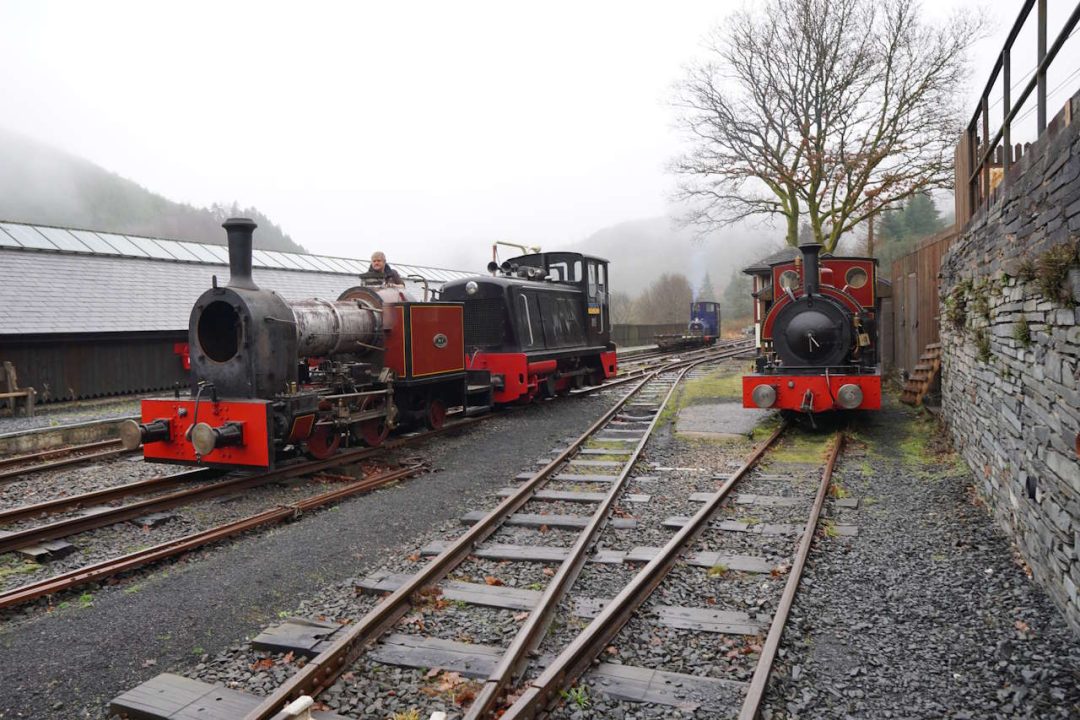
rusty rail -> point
(17, 460)
(590, 643)
(756, 691)
(141, 558)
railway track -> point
(99, 515)
(604, 457)
(19, 465)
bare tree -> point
(824, 111)
(621, 307)
(667, 300)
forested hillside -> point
(43, 185)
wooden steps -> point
(923, 375)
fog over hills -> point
(42, 185)
(642, 250)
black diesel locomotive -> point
(541, 327)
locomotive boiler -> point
(817, 330)
(270, 376)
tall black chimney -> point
(811, 276)
(240, 231)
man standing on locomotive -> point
(379, 267)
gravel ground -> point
(927, 613)
(955, 629)
(198, 611)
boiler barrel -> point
(326, 327)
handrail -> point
(980, 155)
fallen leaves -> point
(492, 580)
(264, 664)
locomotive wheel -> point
(324, 442)
(374, 431)
(435, 414)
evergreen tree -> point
(737, 304)
(920, 217)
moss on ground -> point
(801, 448)
(15, 566)
(724, 384)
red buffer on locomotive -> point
(816, 321)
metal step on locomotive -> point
(816, 321)
(271, 379)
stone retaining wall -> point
(1011, 355)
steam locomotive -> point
(272, 378)
(702, 330)
(816, 321)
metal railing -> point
(997, 151)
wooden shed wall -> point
(916, 306)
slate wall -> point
(1010, 387)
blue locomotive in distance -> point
(702, 330)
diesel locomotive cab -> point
(540, 326)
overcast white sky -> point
(428, 129)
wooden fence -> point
(916, 307)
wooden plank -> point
(603, 451)
(707, 559)
(173, 697)
(497, 596)
(613, 464)
(677, 521)
(297, 635)
(762, 500)
(617, 439)
(572, 496)
(559, 522)
(571, 477)
(731, 622)
(636, 433)
(520, 553)
(475, 661)
(720, 698)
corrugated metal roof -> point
(103, 282)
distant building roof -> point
(64, 280)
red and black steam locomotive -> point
(271, 378)
(817, 334)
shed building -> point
(88, 314)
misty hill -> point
(40, 184)
(642, 250)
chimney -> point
(811, 277)
(240, 231)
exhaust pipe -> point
(240, 231)
(811, 273)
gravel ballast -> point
(71, 662)
(926, 613)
